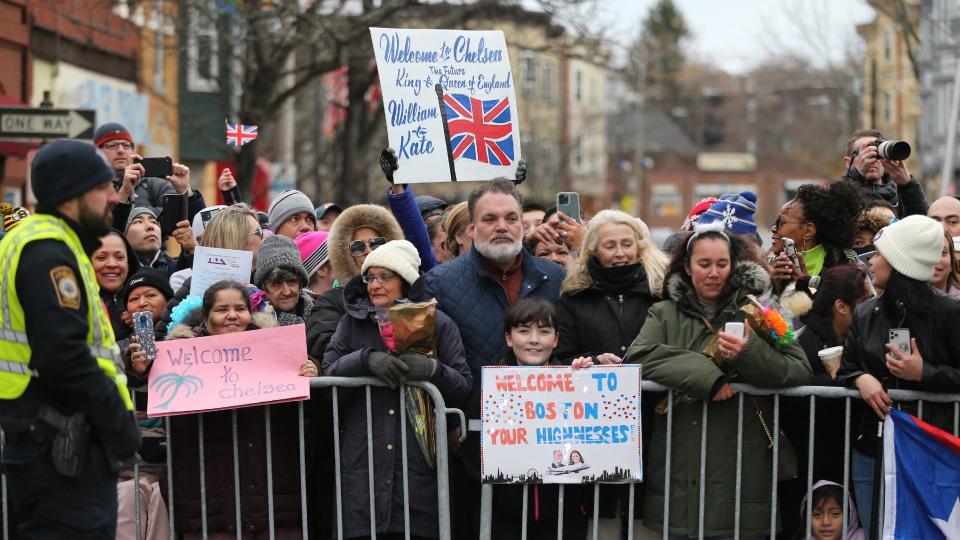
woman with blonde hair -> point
(609, 289)
(455, 221)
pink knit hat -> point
(313, 250)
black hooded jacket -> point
(906, 200)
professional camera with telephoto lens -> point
(892, 150)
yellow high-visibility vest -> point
(15, 372)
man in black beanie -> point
(134, 187)
(65, 409)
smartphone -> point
(143, 329)
(734, 328)
(568, 202)
(209, 214)
(790, 250)
(174, 211)
(156, 167)
(900, 338)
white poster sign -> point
(449, 103)
(557, 425)
(211, 265)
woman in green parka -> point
(709, 278)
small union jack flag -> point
(481, 130)
(239, 134)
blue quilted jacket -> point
(476, 301)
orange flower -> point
(775, 322)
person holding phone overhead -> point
(135, 187)
(909, 312)
(143, 233)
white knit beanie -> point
(399, 256)
(912, 246)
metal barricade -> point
(813, 393)
(334, 384)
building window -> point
(203, 67)
(888, 37)
(751, 110)
(578, 86)
(528, 74)
(547, 81)
(576, 153)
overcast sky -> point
(737, 34)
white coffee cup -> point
(830, 358)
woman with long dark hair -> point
(903, 266)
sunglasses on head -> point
(359, 247)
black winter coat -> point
(864, 352)
(322, 322)
(601, 319)
(357, 335)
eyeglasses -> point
(257, 233)
(359, 247)
(780, 222)
(382, 278)
(118, 144)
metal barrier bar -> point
(136, 481)
(236, 472)
(920, 409)
(486, 511)
(560, 513)
(336, 455)
(403, 451)
(702, 483)
(203, 477)
(5, 507)
(630, 512)
(666, 479)
(775, 435)
(846, 464)
(373, 504)
(303, 472)
(267, 429)
(810, 437)
(523, 523)
(170, 506)
(738, 488)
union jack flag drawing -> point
(239, 134)
(481, 130)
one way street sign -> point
(31, 124)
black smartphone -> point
(156, 167)
(174, 211)
(207, 214)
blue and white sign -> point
(443, 86)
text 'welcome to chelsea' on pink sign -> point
(228, 371)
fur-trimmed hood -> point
(373, 216)
(747, 277)
(193, 327)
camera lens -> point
(893, 150)
(564, 199)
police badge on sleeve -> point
(66, 286)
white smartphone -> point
(900, 338)
(734, 328)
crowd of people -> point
(521, 284)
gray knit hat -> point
(278, 252)
(139, 211)
(286, 204)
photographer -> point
(879, 178)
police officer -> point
(65, 409)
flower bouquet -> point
(414, 327)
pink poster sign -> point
(228, 371)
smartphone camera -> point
(563, 198)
